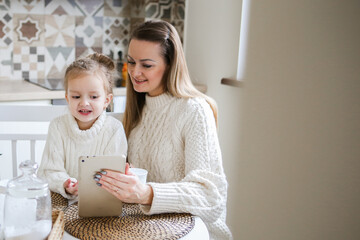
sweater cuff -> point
(166, 199)
(60, 189)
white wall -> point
(212, 38)
(293, 168)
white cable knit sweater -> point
(65, 143)
(177, 142)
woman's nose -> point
(136, 72)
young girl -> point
(86, 130)
(171, 129)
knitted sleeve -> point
(203, 190)
(52, 167)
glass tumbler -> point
(27, 209)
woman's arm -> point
(203, 190)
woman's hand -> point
(126, 187)
(71, 186)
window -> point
(244, 27)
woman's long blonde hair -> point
(176, 79)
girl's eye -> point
(76, 97)
(131, 62)
(147, 66)
(94, 97)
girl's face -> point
(87, 98)
(146, 66)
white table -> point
(198, 232)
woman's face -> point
(146, 66)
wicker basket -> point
(58, 223)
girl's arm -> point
(52, 166)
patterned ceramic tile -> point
(28, 30)
(117, 8)
(89, 31)
(84, 51)
(6, 63)
(179, 25)
(178, 12)
(28, 6)
(57, 59)
(90, 7)
(116, 35)
(5, 5)
(59, 31)
(29, 62)
(6, 29)
(38, 38)
(137, 8)
(61, 7)
(135, 22)
(158, 9)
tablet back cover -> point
(93, 200)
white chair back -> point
(26, 113)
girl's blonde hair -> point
(94, 63)
(176, 79)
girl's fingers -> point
(67, 183)
(127, 167)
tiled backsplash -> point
(40, 38)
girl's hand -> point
(71, 186)
(126, 187)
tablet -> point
(95, 201)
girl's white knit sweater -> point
(65, 143)
(177, 142)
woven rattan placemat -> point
(58, 202)
(133, 224)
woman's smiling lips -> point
(139, 81)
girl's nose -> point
(84, 102)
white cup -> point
(141, 173)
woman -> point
(171, 130)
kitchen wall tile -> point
(138, 8)
(90, 7)
(158, 9)
(28, 6)
(178, 12)
(29, 62)
(28, 30)
(59, 31)
(6, 63)
(88, 31)
(84, 51)
(5, 5)
(135, 22)
(116, 35)
(117, 8)
(39, 38)
(57, 59)
(6, 29)
(179, 26)
(61, 7)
